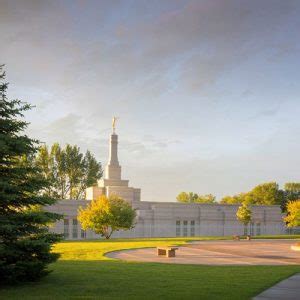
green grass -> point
(83, 272)
(278, 237)
(95, 249)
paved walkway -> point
(288, 289)
(255, 252)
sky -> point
(207, 92)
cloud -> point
(200, 86)
(205, 38)
(223, 175)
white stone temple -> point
(112, 182)
(164, 219)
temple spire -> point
(113, 169)
(113, 150)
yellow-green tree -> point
(244, 214)
(236, 199)
(209, 199)
(191, 197)
(267, 193)
(107, 215)
(293, 214)
(185, 197)
(291, 193)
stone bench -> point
(167, 251)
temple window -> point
(185, 228)
(75, 229)
(66, 228)
(192, 228)
(177, 228)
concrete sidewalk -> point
(288, 289)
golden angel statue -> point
(114, 120)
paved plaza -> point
(255, 252)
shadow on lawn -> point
(115, 279)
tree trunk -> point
(110, 234)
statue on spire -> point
(114, 120)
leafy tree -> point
(236, 199)
(44, 161)
(60, 181)
(244, 214)
(107, 215)
(291, 193)
(293, 188)
(25, 241)
(195, 198)
(293, 214)
(74, 168)
(209, 198)
(69, 171)
(186, 197)
(92, 171)
(265, 194)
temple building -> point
(164, 219)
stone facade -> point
(164, 219)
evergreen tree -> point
(25, 242)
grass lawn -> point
(84, 273)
